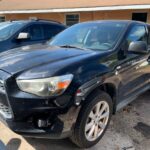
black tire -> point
(78, 136)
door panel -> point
(133, 76)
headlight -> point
(46, 87)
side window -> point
(51, 30)
(137, 33)
(35, 31)
(26, 30)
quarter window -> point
(72, 19)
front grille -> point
(5, 111)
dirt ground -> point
(129, 130)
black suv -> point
(15, 34)
(71, 86)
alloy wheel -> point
(97, 121)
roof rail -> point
(36, 19)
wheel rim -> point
(97, 121)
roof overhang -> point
(107, 8)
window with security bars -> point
(72, 19)
(2, 18)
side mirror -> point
(23, 36)
(138, 47)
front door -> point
(36, 35)
(133, 70)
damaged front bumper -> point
(58, 129)
(33, 116)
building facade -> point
(70, 12)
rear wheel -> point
(93, 120)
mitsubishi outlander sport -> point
(71, 86)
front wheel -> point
(93, 120)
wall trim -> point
(128, 7)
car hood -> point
(27, 57)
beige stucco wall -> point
(84, 16)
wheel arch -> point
(108, 88)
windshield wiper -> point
(70, 46)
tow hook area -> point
(54, 126)
(43, 123)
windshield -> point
(95, 36)
(7, 29)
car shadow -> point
(13, 144)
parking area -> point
(129, 130)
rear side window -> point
(51, 30)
